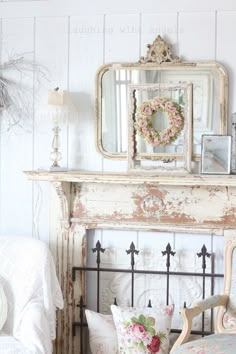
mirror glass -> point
(216, 154)
(209, 96)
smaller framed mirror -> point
(160, 127)
(216, 154)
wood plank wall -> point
(72, 39)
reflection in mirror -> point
(208, 93)
(216, 154)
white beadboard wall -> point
(72, 39)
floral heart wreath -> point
(145, 116)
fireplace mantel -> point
(124, 178)
(92, 200)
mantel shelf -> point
(126, 178)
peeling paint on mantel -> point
(188, 206)
(86, 200)
(125, 178)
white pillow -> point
(143, 330)
(3, 307)
(102, 333)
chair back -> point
(226, 317)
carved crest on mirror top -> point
(159, 52)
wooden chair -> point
(224, 339)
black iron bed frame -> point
(168, 252)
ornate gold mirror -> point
(210, 96)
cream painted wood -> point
(17, 153)
(97, 201)
(225, 53)
(86, 38)
(192, 29)
(189, 314)
(216, 301)
(60, 7)
(124, 30)
(18, 12)
(135, 158)
(67, 241)
(49, 33)
(16, 146)
(229, 248)
(134, 179)
(165, 24)
(163, 66)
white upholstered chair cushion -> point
(214, 344)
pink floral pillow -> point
(143, 330)
(102, 333)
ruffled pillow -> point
(102, 333)
(143, 330)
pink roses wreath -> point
(145, 116)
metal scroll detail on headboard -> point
(134, 270)
(159, 52)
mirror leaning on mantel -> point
(210, 96)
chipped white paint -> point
(137, 179)
(99, 202)
(93, 200)
(34, 27)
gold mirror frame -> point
(159, 58)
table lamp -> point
(56, 99)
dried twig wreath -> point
(15, 94)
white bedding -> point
(28, 276)
(9, 345)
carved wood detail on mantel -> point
(87, 200)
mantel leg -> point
(67, 243)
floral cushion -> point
(143, 330)
(214, 344)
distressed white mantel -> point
(87, 200)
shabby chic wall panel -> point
(124, 33)
(66, 45)
(197, 30)
(85, 56)
(51, 51)
(72, 39)
(225, 51)
(16, 153)
(62, 7)
(165, 24)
